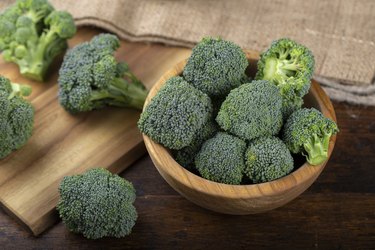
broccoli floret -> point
(252, 110)
(289, 66)
(16, 116)
(185, 156)
(267, 159)
(91, 78)
(97, 204)
(308, 131)
(216, 66)
(175, 114)
(221, 159)
(32, 34)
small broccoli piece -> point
(32, 34)
(267, 159)
(216, 66)
(97, 204)
(221, 159)
(175, 114)
(252, 110)
(91, 78)
(16, 116)
(185, 156)
(308, 131)
(289, 66)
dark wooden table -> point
(336, 212)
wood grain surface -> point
(63, 144)
(336, 212)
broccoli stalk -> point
(121, 93)
(317, 148)
(19, 90)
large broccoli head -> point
(32, 34)
(221, 159)
(97, 204)
(309, 132)
(91, 78)
(16, 116)
(252, 110)
(216, 66)
(289, 66)
(175, 114)
(267, 159)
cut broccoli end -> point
(20, 90)
(279, 71)
(317, 149)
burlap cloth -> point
(341, 33)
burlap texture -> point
(341, 33)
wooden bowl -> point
(238, 199)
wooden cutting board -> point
(63, 144)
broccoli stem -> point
(277, 70)
(123, 93)
(39, 62)
(317, 149)
(20, 90)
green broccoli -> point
(32, 34)
(267, 159)
(289, 66)
(97, 204)
(221, 159)
(16, 116)
(185, 156)
(216, 66)
(252, 110)
(308, 131)
(175, 114)
(91, 78)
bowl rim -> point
(278, 186)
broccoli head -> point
(176, 114)
(185, 156)
(91, 78)
(267, 159)
(97, 204)
(216, 66)
(16, 116)
(308, 131)
(221, 159)
(252, 110)
(289, 66)
(32, 34)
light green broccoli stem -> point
(39, 61)
(317, 149)
(122, 93)
(20, 90)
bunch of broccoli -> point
(32, 34)
(97, 204)
(224, 127)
